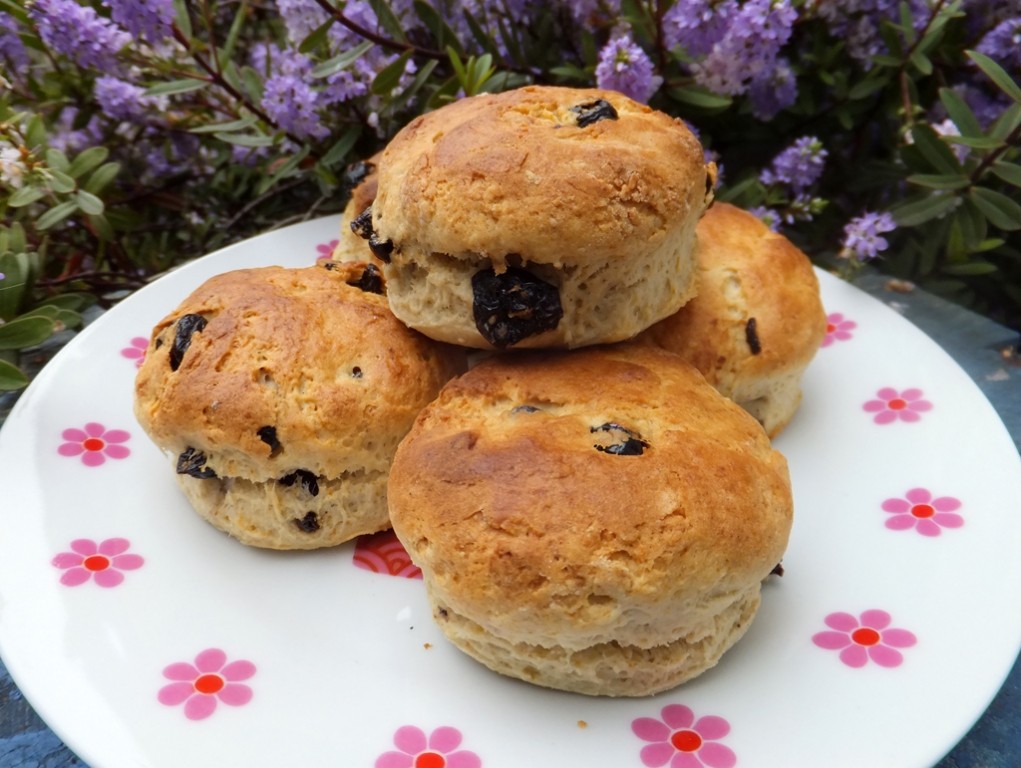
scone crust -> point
(304, 352)
(757, 321)
(513, 173)
(523, 527)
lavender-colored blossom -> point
(798, 166)
(592, 14)
(301, 18)
(768, 216)
(79, 33)
(773, 94)
(749, 49)
(121, 100)
(697, 25)
(863, 236)
(625, 67)
(857, 23)
(151, 20)
(70, 140)
(12, 50)
(291, 103)
(1003, 43)
(949, 128)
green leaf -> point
(876, 81)
(69, 301)
(185, 85)
(342, 60)
(316, 37)
(343, 145)
(24, 332)
(89, 203)
(234, 125)
(25, 196)
(1006, 123)
(913, 212)
(399, 101)
(1001, 211)
(182, 17)
(970, 268)
(570, 72)
(388, 21)
(436, 24)
(57, 160)
(921, 62)
(934, 150)
(102, 176)
(940, 181)
(1009, 172)
(11, 378)
(87, 160)
(285, 169)
(700, 97)
(997, 74)
(61, 183)
(245, 139)
(56, 214)
(960, 113)
(976, 142)
(390, 76)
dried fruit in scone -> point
(538, 217)
(281, 395)
(757, 320)
(596, 520)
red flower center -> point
(830, 327)
(923, 510)
(430, 760)
(96, 563)
(897, 404)
(865, 636)
(208, 683)
(93, 444)
(686, 741)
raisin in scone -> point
(281, 395)
(351, 246)
(539, 217)
(597, 521)
(758, 319)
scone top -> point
(558, 176)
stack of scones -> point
(550, 366)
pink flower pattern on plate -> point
(891, 405)
(919, 510)
(838, 328)
(94, 443)
(383, 553)
(209, 680)
(136, 350)
(324, 251)
(438, 750)
(102, 562)
(678, 740)
(867, 637)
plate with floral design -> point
(144, 637)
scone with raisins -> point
(351, 246)
(757, 321)
(539, 217)
(281, 395)
(597, 521)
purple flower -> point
(625, 67)
(301, 18)
(862, 236)
(291, 103)
(697, 25)
(771, 94)
(149, 19)
(768, 216)
(799, 166)
(749, 49)
(121, 100)
(79, 33)
(1003, 43)
(12, 50)
(857, 23)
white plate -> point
(336, 665)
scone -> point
(281, 395)
(539, 217)
(597, 521)
(351, 246)
(758, 319)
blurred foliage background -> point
(138, 134)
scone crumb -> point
(582, 724)
(427, 646)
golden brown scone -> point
(758, 319)
(350, 245)
(282, 394)
(598, 521)
(539, 217)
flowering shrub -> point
(135, 134)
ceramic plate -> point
(144, 637)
